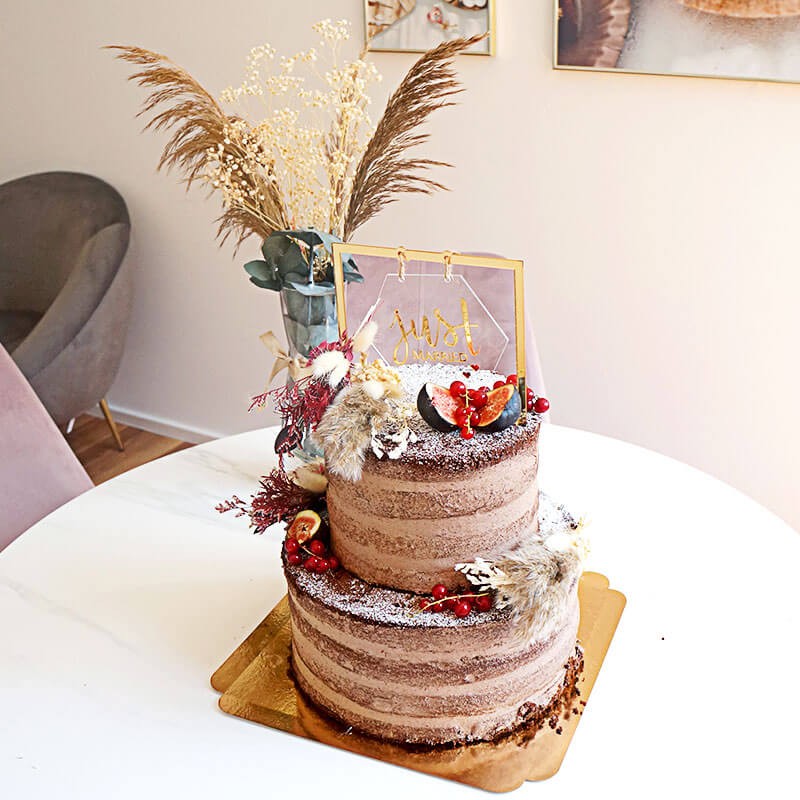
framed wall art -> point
(414, 26)
(750, 39)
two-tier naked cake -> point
(439, 602)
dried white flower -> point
(569, 541)
(391, 433)
(311, 476)
(332, 365)
(364, 337)
(316, 126)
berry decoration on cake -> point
(458, 407)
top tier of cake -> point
(406, 523)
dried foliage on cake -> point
(534, 580)
(352, 405)
(369, 413)
(303, 401)
(281, 497)
(312, 157)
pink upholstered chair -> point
(38, 471)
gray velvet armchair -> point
(65, 291)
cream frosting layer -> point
(419, 677)
(408, 533)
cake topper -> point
(437, 307)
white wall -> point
(657, 217)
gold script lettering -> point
(409, 333)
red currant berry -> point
(512, 379)
(424, 603)
(295, 559)
(541, 405)
(461, 416)
(317, 547)
(333, 562)
(529, 405)
(474, 418)
(479, 398)
(323, 565)
(529, 394)
(450, 603)
(498, 384)
(467, 433)
(311, 563)
(483, 602)
(439, 591)
(463, 608)
(291, 545)
(457, 389)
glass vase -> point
(309, 320)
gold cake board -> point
(256, 685)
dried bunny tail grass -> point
(537, 586)
(199, 125)
(345, 431)
(383, 172)
(533, 580)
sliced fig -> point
(304, 526)
(438, 407)
(502, 409)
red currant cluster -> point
(538, 405)
(468, 416)
(313, 555)
(462, 605)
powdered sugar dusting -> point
(554, 517)
(344, 592)
(415, 376)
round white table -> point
(116, 609)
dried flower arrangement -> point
(350, 405)
(534, 580)
(281, 497)
(314, 161)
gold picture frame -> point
(606, 25)
(448, 260)
(459, 6)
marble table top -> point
(116, 609)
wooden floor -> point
(92, 442)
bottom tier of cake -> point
(367, 656)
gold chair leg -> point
(111, 424)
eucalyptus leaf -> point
(260, 269)
(262, 275)
(275, 246)
(284, 255)
(294, 263)
(313, 289)
(275, 286)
